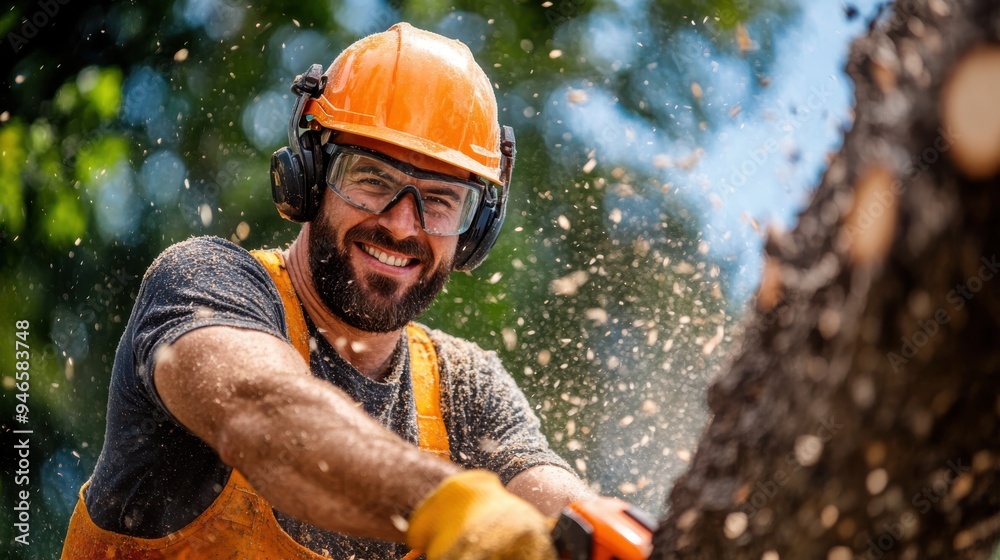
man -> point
(272, 407)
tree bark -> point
(861, 416)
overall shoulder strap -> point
(427, 393)
(298, 332)
(423, 357)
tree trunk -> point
(861, 417)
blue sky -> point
(766, 149)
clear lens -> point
(373, 182)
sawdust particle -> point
(971, 115)
(871, 224)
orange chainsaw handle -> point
(603, 529)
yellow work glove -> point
(471, 516)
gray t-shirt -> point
(153, 477)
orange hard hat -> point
(417, 90)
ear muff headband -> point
(296, 169)
(475, 245)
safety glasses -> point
(375, 182)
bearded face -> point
(361, 297)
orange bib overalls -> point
(240, 523)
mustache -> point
(377, 235)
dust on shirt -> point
(153, 477)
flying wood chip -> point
(743, 40)
(884, 76)
(696, 90)
(771, 286)
(570, 284)
(971, 114)
(871, 223)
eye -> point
(374, 181)
(370, 181)
(444, 198)
(438, 203)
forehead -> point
(415, 159)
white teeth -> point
(382, 256)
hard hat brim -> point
(415, 144)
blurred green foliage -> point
(126, 127)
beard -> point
(372, 303)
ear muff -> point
(475, 244)
(297, 169)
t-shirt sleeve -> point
(491, 423)
(197, 283)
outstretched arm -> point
(303, 444)
(549, 488)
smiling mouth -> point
(386, 258)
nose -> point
(403, 217)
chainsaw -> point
(603, 529)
